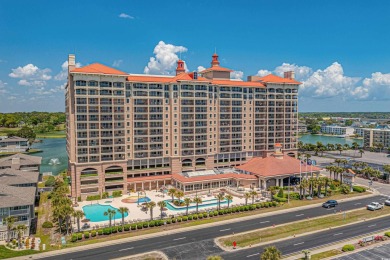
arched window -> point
(186, 163)
(200, 162)
(81, 83)
(89, 172)
(114, 170)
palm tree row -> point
(313, 185)
(320, 147)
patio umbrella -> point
(85, 220)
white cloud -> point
(11, 98)
(237, 74)
(125, 16)
(329, 82)
(301, 72)
(31, 75)
(262, 73)
(201, 68)
(165, 59)
(3, 89)
(63, 75)
(117, 63)
(375, 88)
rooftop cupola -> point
(215, 61)
(180, 67)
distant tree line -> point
(39, 122)
(370, 115)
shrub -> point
(387, 234)
(178, 219)
(253, 207)
(294, 195)
(205, 215)
(211, 214)
(345, 189)
(133, 227)
(74, 238)
(114, 229)
(145, 225)
(347, 248)
(258, 206)
(215, 212)
(120, 229)
(246, 208)
(117, 193)
(93, 197)
(86, 234)
(50, 181)
(168, 221)
(173, 220)
(47, 224)
(126, 227)
(139, 226)
(93, 233)
(79, 199)
(152, 223)
(190, 217)
(185, 218)
(274, 203)
(200, 216)
(280, 193)
(195, 216)
(279, 199)
(100, 232)
(359, 189)
(105, 195)
(79, 236)
(107, 231)
(220, 212)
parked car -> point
(330, 203)
(387, 202)
(374, 206)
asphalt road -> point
(376, 253)
(198, 244)
(315, 240)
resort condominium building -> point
(123, 128)
(375, 137)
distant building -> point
(376, 136)
(302, 128)
(337, 130)
(18, 192)
(14, 144)
(359, 131)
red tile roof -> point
(271, 166)
(276, 79)
(97, 68)
(147, 78)
(150, 178)
(215, 177)
(216, 68)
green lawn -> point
(325, 254)
(54, 134)
(7, 253)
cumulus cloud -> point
(164, 61)
(329, 82)
(31, 75)
(301, 72)
(63, 75)
(377, 87)
(237, 75)
(117, 63)
(125, 16)
(262, 73)
(201, 68)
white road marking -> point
(124, 249)
(180, 238)
(338, 234)
(225, 229)
(299, 244)
(372, 225)
(357, 203)
(253, 255)
(299, 215)
(264, 222)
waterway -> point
(54, 149)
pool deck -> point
(137, 214)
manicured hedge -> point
(93, 233)
(100, 232)
(74, 238)
(79, 236)
(387, 234)
(347, 248)
(359, 189)
(47, 224)
(86, 234)
(117, 193)
(93, 197)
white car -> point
(387, 202)
(374, 206)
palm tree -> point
(361, 151)
(179, 194)
(162, 204)
(305, 185)
(386, 168)
(172, 193)
(219, 198)
(247, 195)
(339, 170)
(78, 214)
(339, 148)
(123, 211)
(187, 202)
(150, 205)
(271, 253)
(326, 181)
(110, 213)
(253, 194)
(198, 201)
(229, 198)
(20, 229)
(9, 221)
(338, 161)
(321, 182)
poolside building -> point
(130, 131)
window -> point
(92, 83)
(81, 83)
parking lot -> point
(376, 253)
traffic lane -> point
(376, 253)
(319, 239)
(167, 240)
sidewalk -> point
(179, 230)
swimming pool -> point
(206, 203)
(95, 212)
(144, 199)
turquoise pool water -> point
(206, 203)
(95, 212)
(144, 199)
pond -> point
(54, 156)
(313, 139)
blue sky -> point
(339, 49)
